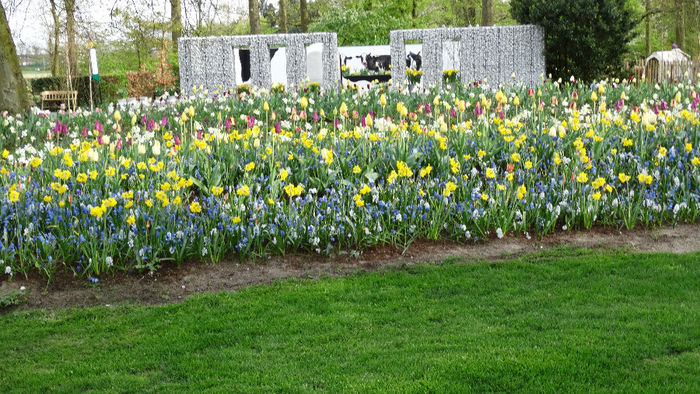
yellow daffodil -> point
(243, 190)
(449, 188)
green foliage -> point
(663, 16)
(11, 298)
(119, 59)
(360, 27)
(584, 38)
(560, 321)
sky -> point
(29, 19)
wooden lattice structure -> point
(671, 66)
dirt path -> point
(172, 284)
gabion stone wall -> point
(494, 52)
(209, 61)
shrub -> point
(584, 38)
(141, 83)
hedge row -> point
(110, 88)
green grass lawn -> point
(566, 320)
(33, 73)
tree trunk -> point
(13, 93)
(70, 32)
(56, 37)
(486, 12)
(647, 33)
(175, 21)
(254, 16)
(283, 16)
(680, 25)
(200, 16)
(470, 18)
(303, 10)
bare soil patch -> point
(173, 284)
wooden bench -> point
(70, 96)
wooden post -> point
(69, 85)
(91, 105)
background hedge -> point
(113, 87)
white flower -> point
(499, 233)
(156, 148)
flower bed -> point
(264, 173)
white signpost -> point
(94, 73)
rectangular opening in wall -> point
(414, 61)
(278, 64)
(451, 65)
(241, 55)
(314, 63)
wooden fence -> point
(669, 71)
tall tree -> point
(13, 94)
(283, 16)
(647, 26)
(175, 21)
(254, 16)
(70, 33)
(55, 39)
(304, 11)
(680, 24)
(486, 12)
(588, 50)
(464, 12)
